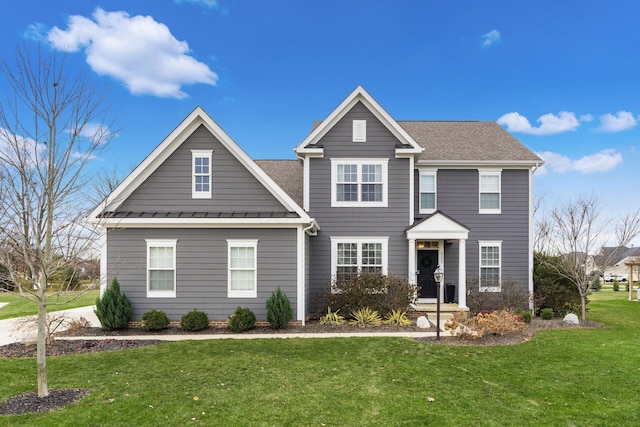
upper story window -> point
(201, 174)
(161, 268)
(428, 185)
(359, 183)
(359, 131)
(490, 265)
(490, 189)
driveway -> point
(9, 333)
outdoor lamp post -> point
(438, 275)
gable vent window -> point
(359, 131)
(201, 174)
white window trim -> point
(359, 241)
(428, 172)
(161, 243)
(208, 154)
(490, 172)
(359, 162)
(242, 243)
(484, 244)
(359, 131)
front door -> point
(427, 264)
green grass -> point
(19, 306)
(560, 378)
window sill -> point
(236, 294)
(161, 294)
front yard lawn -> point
(574, 377)
(19, 306)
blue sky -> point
(562, 76)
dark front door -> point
(427, 263)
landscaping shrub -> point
(194, 321)
(279, 311)
(242, 320)
(332, 318)
(546, 313)
(494, 323)
(511, 297)
(526, 315)
(616, 286)
(375, 291)
(154, 320)
(552, 290)
(365, 317)
(113, 309)
(397, 318)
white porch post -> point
(412, 261)
(103, 261)
(462, 273)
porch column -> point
(462, 273)
(412, 262)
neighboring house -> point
(198, 224)
(612, 262)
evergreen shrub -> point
(113, 308)
(279, 311)
(546, 313)
(242, 320)
(154, 320)
(194, 321)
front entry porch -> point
(427, 239)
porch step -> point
(444, 308)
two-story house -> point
(199, 224)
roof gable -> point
(308, 145)
(198, 117)
(437, 226)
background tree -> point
(52, 124)
(573, 232)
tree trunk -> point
(41, 350)
(583, 302)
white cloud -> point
(549, 123)
(622, 120)
(209, 4)
(15, 149)
(137, 51)
(602, 161)
(586, 118)
(491, 38)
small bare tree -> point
(52, 125)
(575, 231)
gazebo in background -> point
(633, 262)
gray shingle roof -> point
(467, 141)
(288, 174)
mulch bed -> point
(57, 399)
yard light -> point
(438, 275)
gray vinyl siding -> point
(457, 197)
(390, 221)
(201, 269)
(234, 188)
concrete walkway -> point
(9, 334)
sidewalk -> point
(9, 335)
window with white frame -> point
(351, 256)
(490, 184)
(359, 183)
(161, 268)
(490, 265)
(201, 174)
(359, 131)
(428, 191)
(242, 268)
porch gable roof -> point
(438, 226)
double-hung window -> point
(359, 183)
(161, 268)
(242, 268)
(490, 265)
(201, 174)
(351, 256)
(428, 191)
(490, 185)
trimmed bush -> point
(526, 315)
(279, 311)
(154, 320)
(242, 320)
(546, 313)
(552, 290)
(194, 321)
(616, 286)
(113, 308)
